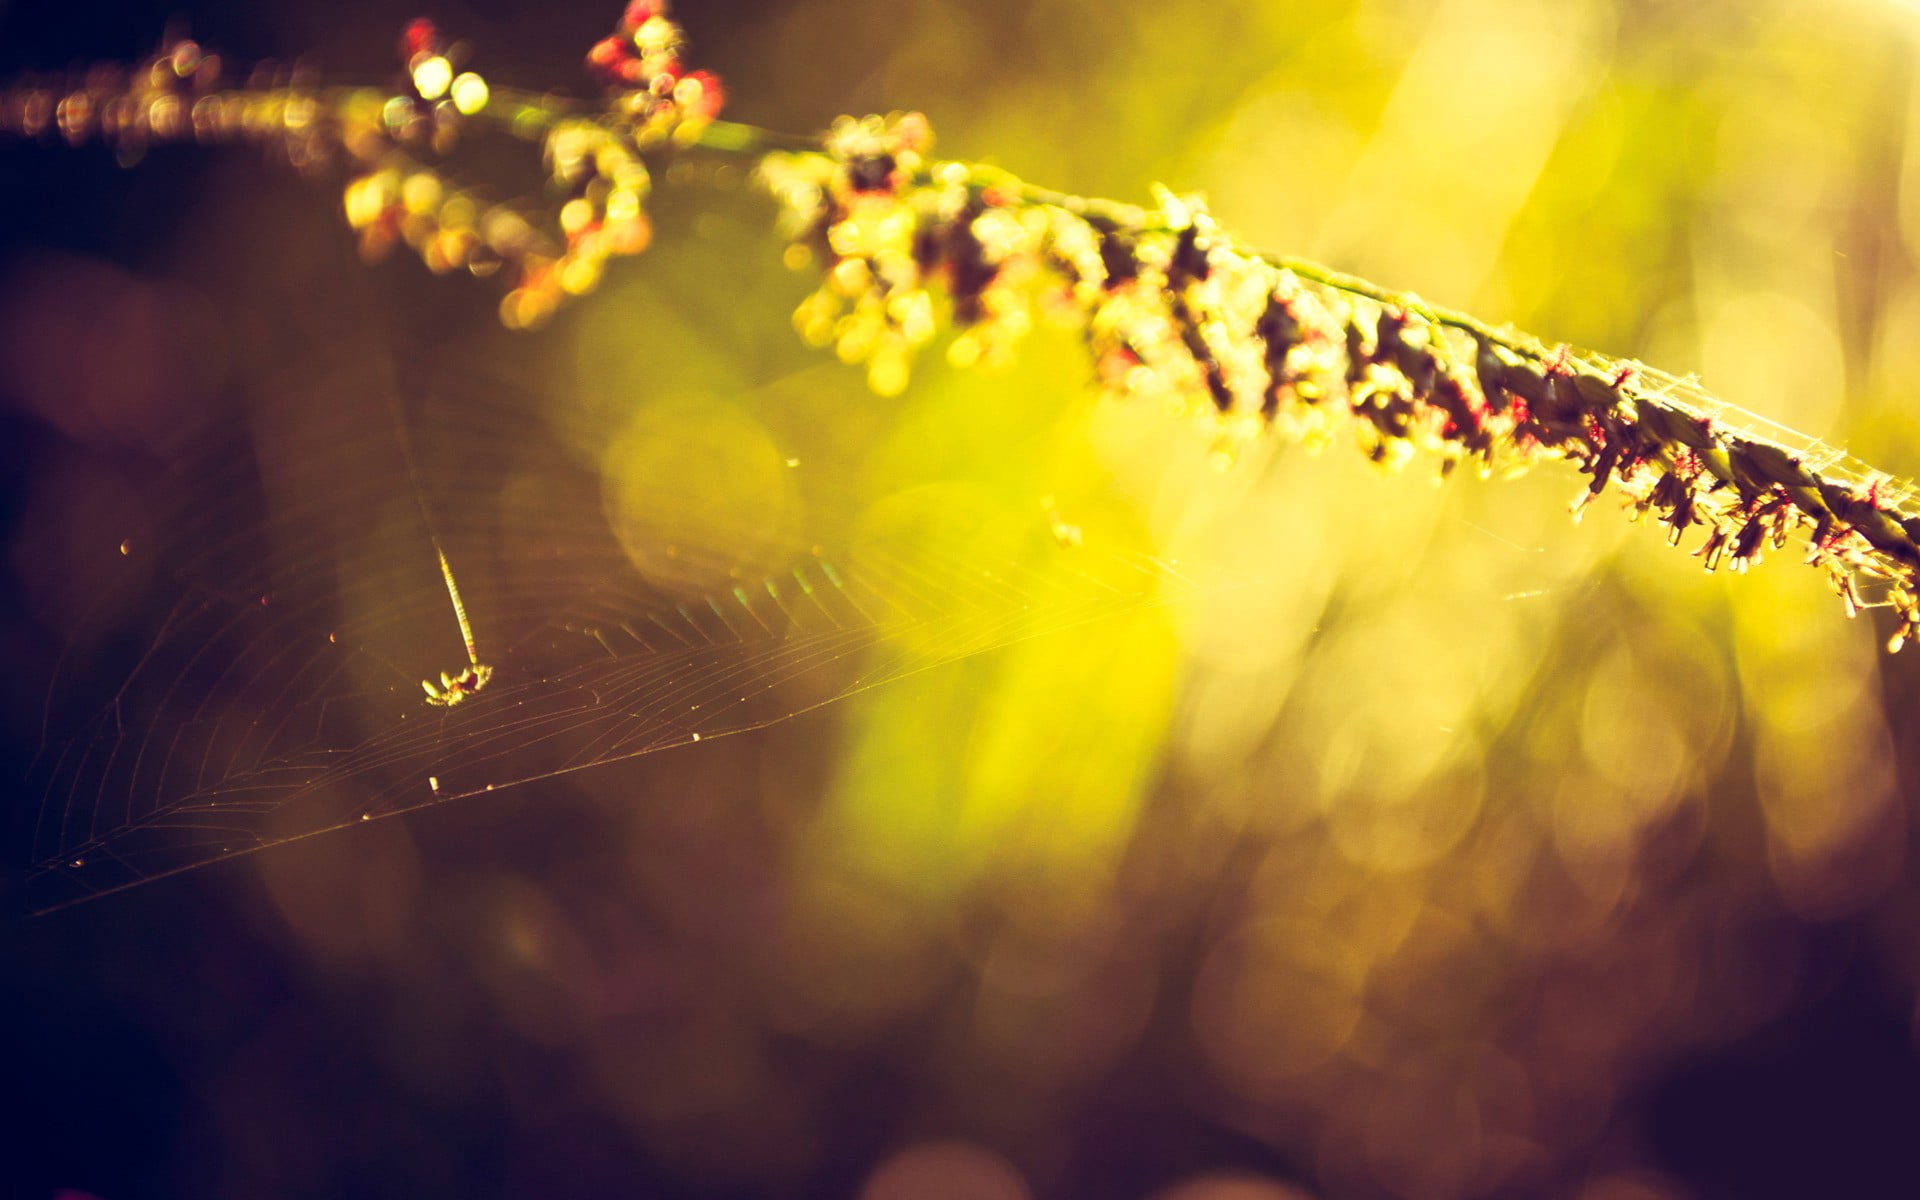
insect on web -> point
(277, 694)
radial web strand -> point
(277, 694)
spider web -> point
(277, 695)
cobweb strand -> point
(278, 696)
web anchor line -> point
(453, 689)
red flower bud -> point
(701, 94)
(639, 12)
(421, 37)
(608, 52)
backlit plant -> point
(1173, 309)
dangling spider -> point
(455, 688)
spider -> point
(455, 688)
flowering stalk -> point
(1172, 308)
(390, 141)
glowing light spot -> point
(396, 111)
(655, 34)
(622, 205)
(432, 76)
(126, 548)
(365, 199)
(299, 113)
(186, 58)
(628, 236)
(513, 310)
(470, 93)
(887, 372)
(963, 351)
(696, 737)
(575, 215)
(422, 192)
(581, 276)
(433, 781)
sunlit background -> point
(1404, 840)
